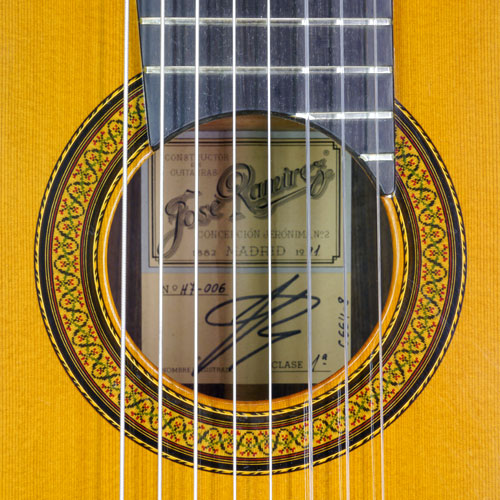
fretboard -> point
(350, 68)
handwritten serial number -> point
(187, 289)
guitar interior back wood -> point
(58, 61)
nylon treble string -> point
(123, 285)
(310, 425)
(344, 249)
(269, 253)
(379, 262)
(196, 241)
(234, 360)
(160, 253)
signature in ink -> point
(254, 320)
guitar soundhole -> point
(342, 272)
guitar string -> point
(342, 177)
(123, 284)
(379, 265)
(379, 290)
(269, 258)
(344, 250)
(370, 367)
(234, 361)
(196, 242)
(160, 253)
(310, 449)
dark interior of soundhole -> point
(364, 313)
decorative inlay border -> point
(71, 303)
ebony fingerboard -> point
(367, 104)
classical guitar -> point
(261, 264)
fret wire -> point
(262, 21)
(377, 157)
(346, 115)
(382, 70)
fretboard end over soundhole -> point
(349, 70)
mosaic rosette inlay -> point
(70, 294)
